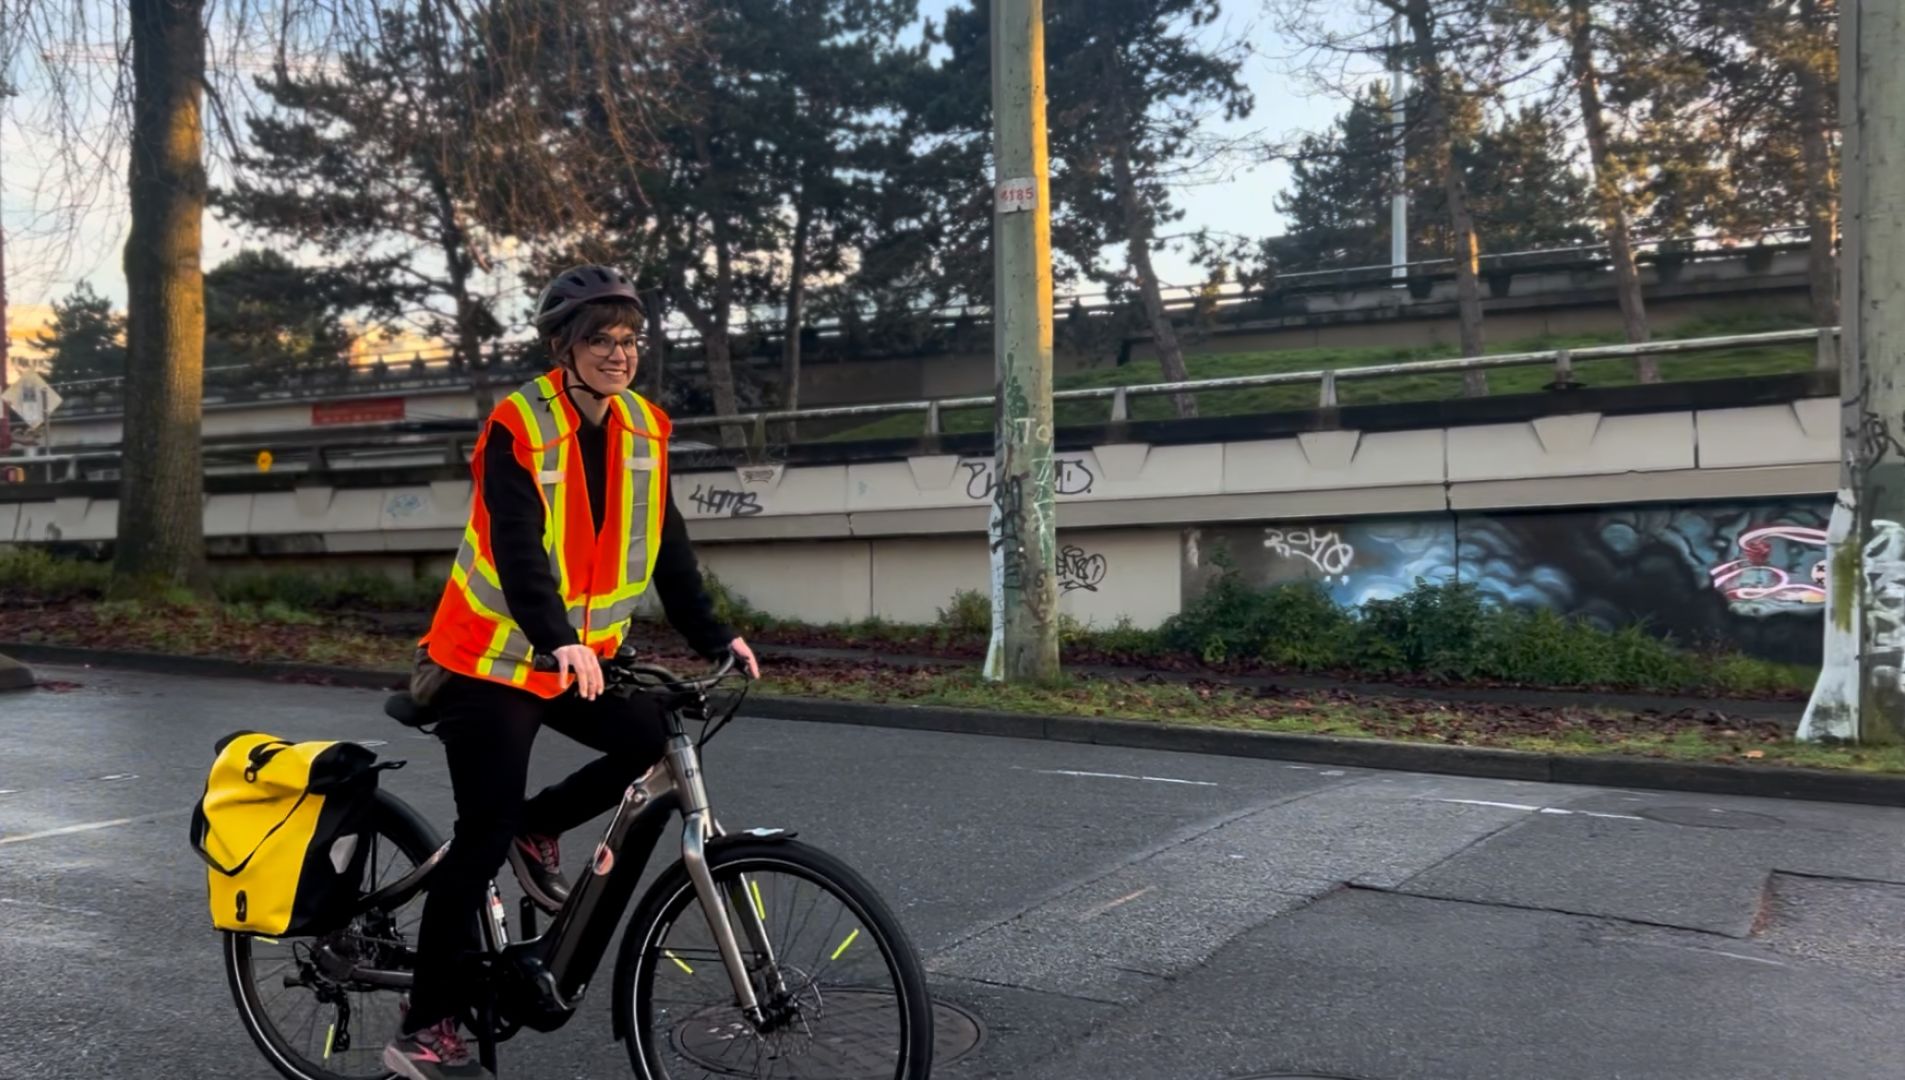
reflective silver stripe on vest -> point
(477, 584)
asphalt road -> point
(1105, 913)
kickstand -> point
(486, 1029)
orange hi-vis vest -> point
(601, 575)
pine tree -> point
(86, 339)
(265, 313)
(370, 165)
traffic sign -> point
(32, 400)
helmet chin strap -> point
(582, 383)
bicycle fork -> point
(698, 829)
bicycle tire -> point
(393, 822)
(673, 893)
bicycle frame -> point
(558, 965)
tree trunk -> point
(161, 542)
(1137, 230)
(796, 301)
(1435, 113)
(713, 325)
(1607, 189)
(1138, 253)
(1821, 191)
(715, 357)
(657, 359)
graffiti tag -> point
(1070, 476)
(718, 501)
(1885, 599)
(1009, 502)
(1078, 570)
(1752, 577)
(1321, 548)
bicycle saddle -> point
(404, 709)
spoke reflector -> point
(679, 962)
(760, 909)
(844, 945)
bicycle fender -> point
(770, 836)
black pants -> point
(487, 730)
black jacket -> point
(522, 567)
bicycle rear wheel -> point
(310, 1025)
(843, 987)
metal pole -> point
(1398, 123)
(1024, 643)
(1861, 688)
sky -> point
(50, 249)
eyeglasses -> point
(601, 346)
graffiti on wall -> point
(1756, 577)
(1078, 569)
(1322, 548)
(1070, 476)
(1749, 576)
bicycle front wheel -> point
(842, 987)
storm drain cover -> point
(1709, 817)
(853, 1040)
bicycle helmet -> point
(578, 286)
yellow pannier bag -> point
(284, 829)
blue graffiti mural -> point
(1747, 575)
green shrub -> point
(1432, 629)
(30, 574)
(732, 608)
(968, 614)
(352, 592)
(1294, 625)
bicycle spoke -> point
(814, 1033)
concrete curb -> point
(1770, 782)
(14, 675)
(209, 666)
(1763, 782)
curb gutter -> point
(1761, 782)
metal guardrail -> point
(1563, 360)
(398, 368)
(337, 449)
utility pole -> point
(1861, 690)
(1024, 645)
(1398, 126)
(6, 321)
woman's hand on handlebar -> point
(581, 661)
(739, 648)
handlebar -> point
(624, 670)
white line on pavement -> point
(1540, 809)
(1121, 776)
(91, 826)
(1115, 904)
(61, 908)
(1713, 952)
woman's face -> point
(606, 359)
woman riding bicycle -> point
(571, 520)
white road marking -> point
(1118, 903)
(110, 777)
(61, 908)
(91, 826)
(1540, 809)
(1714, 952)
(1123, 776)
